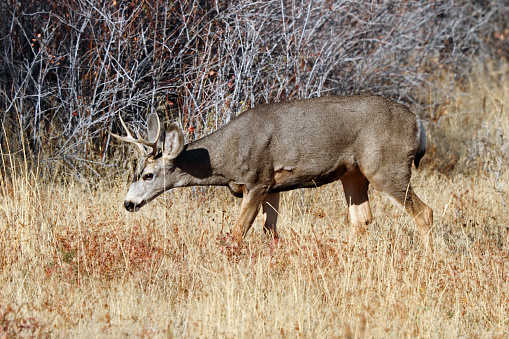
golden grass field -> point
(75, 264)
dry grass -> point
(76, 264)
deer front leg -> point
(270, 208)
(249, 208)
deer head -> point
(153, 174)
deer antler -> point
(139, 142)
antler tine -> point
(129, 137)
(153, 143)
(125, 127)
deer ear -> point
(173, 142)
(153, 127)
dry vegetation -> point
(76, 264)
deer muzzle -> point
(131, 206)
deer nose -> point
(129, 205)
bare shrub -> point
(67, 68)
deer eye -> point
(148, 176)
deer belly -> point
(290, 177)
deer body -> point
(269, 149)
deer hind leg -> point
(270, 208)
(403, 195)
(423, 217)
(249, 208)
(355, 186)
(418, 210)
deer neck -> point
(198, 165)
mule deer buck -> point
(360, 140)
